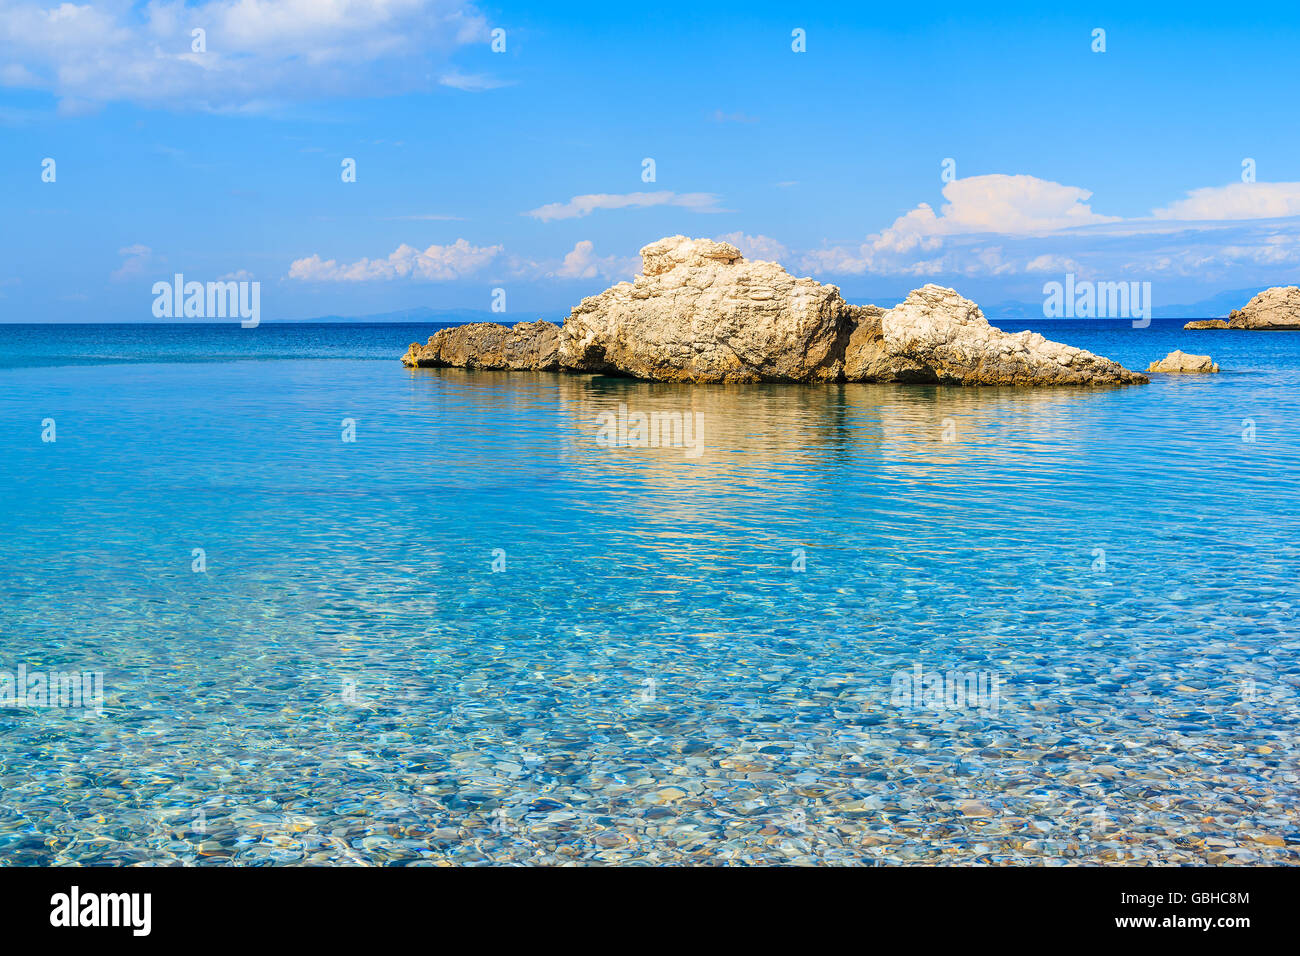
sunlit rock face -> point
(700, 312)
(936, 335)
(1180, 361)
(528, 346)
(1275, 308)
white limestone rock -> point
(936, 335)
(1275, 308)
(700, 312)
(1180, 361)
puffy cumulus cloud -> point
(988, 261)
(580, 206)
(461, 260)
(258, 52)
(436, 263)
(1005, 226)
(1000, 225)
(997, 203)
(583, 263)
(837, 260)
(1242, 255)
(580, 262)
(757, 247)
(1235, 202)
(1208, 256)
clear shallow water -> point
(648, 679)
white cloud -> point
(257, 51)
(134, 260)
(15, 74)
(1248, 248)
(969, 260)
(580, 206)
(1236, 201)
(436, 263)
(471, 82)
(583, 263)
(1209, 229)
(1051, 263)
(1008, 205)
(757, 247)
(988, 226)
(461, 260)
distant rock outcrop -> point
(1275, 308)
(700, 312)
(528, 346)
(1179, 361)
(1207, 324)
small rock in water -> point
(1180, 361)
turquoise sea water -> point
(478, 634)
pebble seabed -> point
(815, 773)
(673, 659)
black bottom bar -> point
(335, 906)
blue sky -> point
(471, 164)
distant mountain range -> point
(1216, 307)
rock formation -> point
(1207, 324)
(1179, 361)
(527, 346)
(1275, 308)
(935, 335)
(701, 312)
